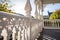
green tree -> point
(55, 15)
(4, 6)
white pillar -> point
(28, 8)
(4, 34)
(13, 34)
(19, 33)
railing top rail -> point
(9, 14)
(5, 14)
(52, 27)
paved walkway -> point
(50, 34)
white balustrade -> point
(52, 23)
(25, 28)
(18, 27)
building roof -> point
(50, 1)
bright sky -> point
(18, 6)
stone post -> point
(28, 8)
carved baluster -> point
(13, 34)
(26, 33)
(58, 23)
(19, 34)
(23, 34)
(4, 34)
(29, 33)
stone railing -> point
(52, 23)
(14, 27)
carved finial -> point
(38, 4)
(28, 8)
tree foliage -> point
(4, 7)
(55, 15)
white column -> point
(13, 34)
(28, 8)
(19, 34)
(4, 34)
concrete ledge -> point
(51, 27)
